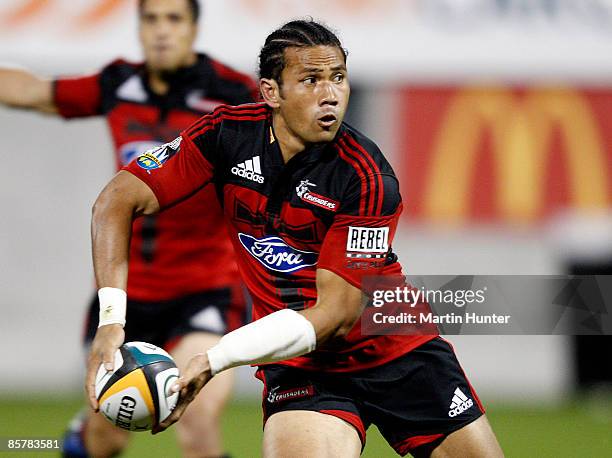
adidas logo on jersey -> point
(250, 169)
(459, 404)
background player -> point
(321, 188)
(181, 296)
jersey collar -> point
(310, 155)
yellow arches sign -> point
(523, 129)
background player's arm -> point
(21, 89)
(123, 198)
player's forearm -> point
(111, 226)
(287, 334)
(110, 235)
(122, 199)
(21, 89)
(329, 323)
(338, 307)
(281, 335)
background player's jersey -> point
(185, 249)
(333, 206)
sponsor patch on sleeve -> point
(367, 242)
(156, 157)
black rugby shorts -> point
(415, 400)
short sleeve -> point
(176, 170)
(358, 243)
(78, 97)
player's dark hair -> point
(299, 34)
(194, 7)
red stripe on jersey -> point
(217, 120)
(241, 118)
(375, 170)
(357, 167)
(227, 110)
(243, 109)
(364, 175)
(371, 195)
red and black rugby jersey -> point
(178, 252)
(333, 206)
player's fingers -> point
(93, 401)
(188, 376)
(178, 385)
(108, 359)
(172, 418)
(191, 375)
(188, 393)
(90, 382)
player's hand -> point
(192, 380)
(106, 342)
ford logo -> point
(276, 255)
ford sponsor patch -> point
(276, 255)
(155, 158)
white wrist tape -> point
(281, 335)
(112, 306)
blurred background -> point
(497, 117)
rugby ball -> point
(136, 395)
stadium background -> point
(497, 116)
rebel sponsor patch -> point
(276, 255)
(370, 240)
(287, 395)
(305, 194)
(156, 157)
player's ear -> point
(270, 91)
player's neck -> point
(158, 83)
(159, 80)
(289, 143)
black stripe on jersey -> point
(289, 292)
(349, 157)
(148, 233)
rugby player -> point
(303, 194)
(181, 296)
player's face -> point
(167, 33)
(314, 93)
